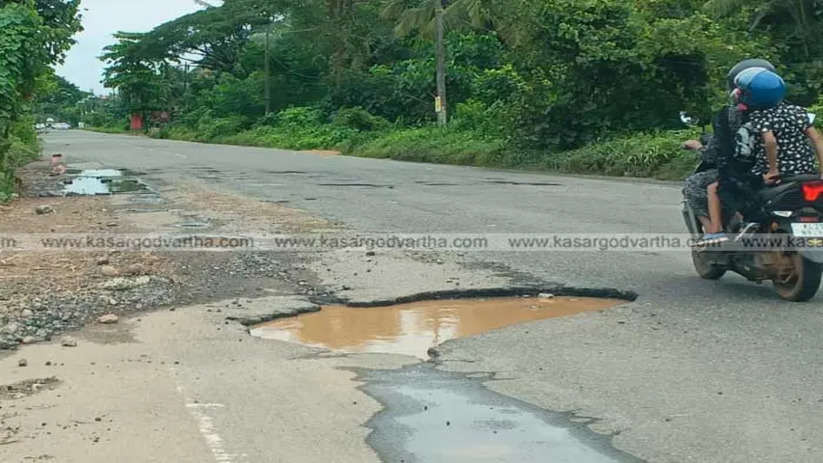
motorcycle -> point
(780, 241)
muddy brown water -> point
(411, 329)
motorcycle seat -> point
(788, 184)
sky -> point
(101, 19)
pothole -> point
(94, 182)
(434, 416)
(27, 388)
(508, 182)
(414, 328)
(193, 224)
(419, 182)
(357, 185)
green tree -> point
(137, 72)
(794, 27)
(35, 35)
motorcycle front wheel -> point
(799, 278)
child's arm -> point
(770, 142)
(817, 140)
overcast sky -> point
(103, 18)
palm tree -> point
(430, 18)
(458, 14)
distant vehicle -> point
(61, 126)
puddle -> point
(431, 416)
(96, 173)
(95, 182)
(411, 329)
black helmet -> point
(748, 64)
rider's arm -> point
(770, 142)
(817, 140)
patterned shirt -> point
(789, 123)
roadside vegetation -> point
(592, 86)
(35, 34)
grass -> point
(655, 155)
(434, 145)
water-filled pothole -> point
(412, 329)
(434, 416)
(95, 182)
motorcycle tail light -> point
(809, 219)
(812, 191)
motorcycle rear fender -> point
(815, 255)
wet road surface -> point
(436, 417)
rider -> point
(775, 142)
(719, 155)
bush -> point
(233, 96)
(641, 155)
(23, 147)
(209, 129)
(498, 85)
(449, 145)
(298, 117)
(359, 119)
(489, 120)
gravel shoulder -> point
(44, 294)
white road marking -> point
(213, 439)
(208, 430)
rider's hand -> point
(772, 177)
(692, 145)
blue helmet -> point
(747, 64)
(760, 88)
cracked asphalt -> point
(690, 371)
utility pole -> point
(440, 104)
(268, 70)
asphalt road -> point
(692, 371)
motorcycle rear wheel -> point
(804, 281)
(704, 266)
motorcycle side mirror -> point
(689, 120)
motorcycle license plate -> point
(808, 230)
